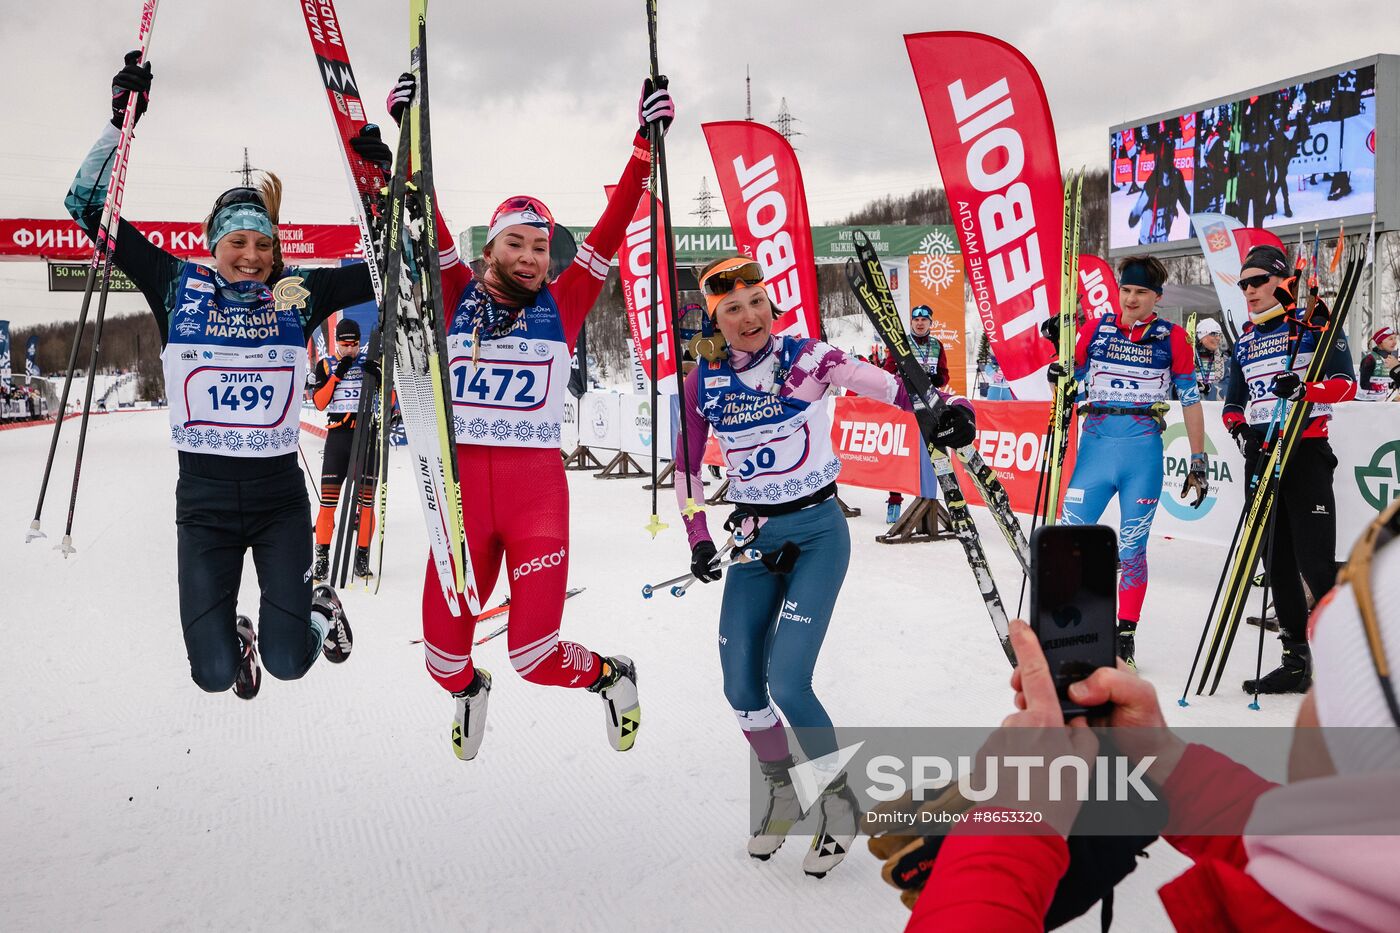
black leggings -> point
(218, 520)
(1305, 537)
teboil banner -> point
(995, 144)
(1098, 287)
(634, 263)
(29, 238)
(767, 207)
(1009, 438)
(878, 444)
(1225, 242)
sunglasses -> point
(239, 196)
(1254, 281)
(1357, 572)
(524, 203)
(723, 281)
(921, 312)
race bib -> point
(777, 456)
(235, 397)
(510, 385)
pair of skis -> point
(399, 236)
(867, 279)
(1253, 530)
(100, 270)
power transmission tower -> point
(704, 203)
(784, 121)
(748, 95)
(246, 171)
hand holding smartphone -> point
(1074, 604)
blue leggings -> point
(771, 626)
(1132, 468)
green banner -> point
(698, 245)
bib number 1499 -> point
(241, 399)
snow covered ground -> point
(131, 800)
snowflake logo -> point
(194, 439)
(258, 440)
(233, 440)
(812, 482)
(793, 488)
(832, 470)
(771, 492)
(289, 437)
(524, 431)
(177, 434)
(935, 270)
(477, 428)
(213, 439)
(500, 429)
(936, 242)
(459, 426)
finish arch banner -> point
(767, 206)
(995, 144)
(30, 238)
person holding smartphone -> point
(1269, 366)
(1126, 366)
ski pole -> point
(738, 557)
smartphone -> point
(1074, 603)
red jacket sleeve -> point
(1183, 356)
(1212, 796)
(1003, 883)
(456, 274)
(578, 286)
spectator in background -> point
(928, 353)
(1212, 361)
(1380, 368)
(1316, 853)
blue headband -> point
(242, 216)
(1137, 273)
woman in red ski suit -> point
(510, 338)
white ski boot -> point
(840, 819)
(623, 714)
(469, 723)
(781, 814)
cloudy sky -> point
(541, 97)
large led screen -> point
(1302, 153)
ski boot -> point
(1294, 675)
(249, 677)
(782, 812)
(321, 569)
(618, 687)
(328, 618)
(840, 819)
(892, 510)
(469, 723)
(1127, 637)
(362, 563)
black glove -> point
(702, 555)
(783, 559)
(1202, 387)
(1247, 439)
(1395, 377)
(371, 368)
(1054, 371)
(132, 79)
(370, 147)
(1197, 479)
(1289, 386)
(1050, 329)
(956, 428)
(655, 106)
(742, 514)
(400, 97)
(343, 366)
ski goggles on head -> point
(921, 312)
(1357, 571)
(521, 209)
(1254, 281)
(739, 272)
